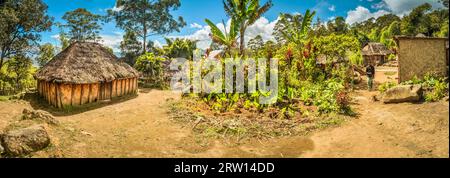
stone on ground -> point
(1, 148)
(39, 115)
(25, 141)
(403, 93)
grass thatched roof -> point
(84, 62)
(376, 49)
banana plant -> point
(245, 12)
(227, 39)
(297, 27)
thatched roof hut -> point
(375, 53)
(83, 73)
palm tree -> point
(245, 13)
(228, 39)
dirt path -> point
(141, 128)
(399, 130)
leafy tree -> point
(152, 68)
(180, 48)
(388, 33)
(256, 43)
(417, 21)
(21, 22)
(365, 26)
(444, 2)
(374, 35)
(83, 25)
(62, 36)
(268, 50)
(147, 17)
(443, 31)
(338, 25)
(46, 53)
(296, 27)
(438, 22)
(361, 36)
(19, 68)
(277, 29)
(130, 47)
(336, 47)
(227, 39)
(245, 13)
(386, 20)
(319, 29)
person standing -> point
(370, 72)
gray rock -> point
(25, 141)
(39, 115)
(403, 93)
(1, 149)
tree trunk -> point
(1, 61)
(144, 37)
(242, 42)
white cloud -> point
(402, 7)
(261, 27)
(201, 35)
(379, 5)
(157, 44)
(116, 9)
(398, 7)
(112, 41)
(322, 6)
(361, 14)
(196, 25)
(56, 37)
(332, 8)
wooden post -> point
(81, 95)
(90, 90)
(71, 94)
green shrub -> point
(440, 90)
(437, 85)
(152, 68)
(386, 86)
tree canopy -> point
(46, 53)
(21, 22)
(83, 25)
(147, 17)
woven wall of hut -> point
(63, 95)
(420, 56)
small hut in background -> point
(85, 73)
(375, 54)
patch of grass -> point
(247, 125)
(386, 86)
(390, 73)
(4, 98)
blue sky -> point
(195, 11)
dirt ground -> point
(141, 127)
